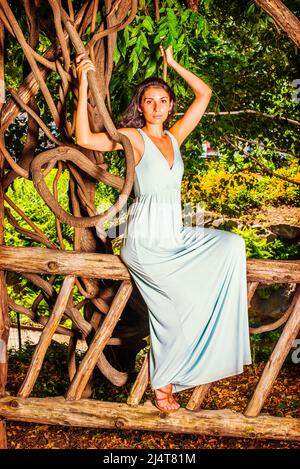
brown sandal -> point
(163, 409)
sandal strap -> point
(164, 392)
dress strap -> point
(173, 138)
(145, 143)
(141, 132)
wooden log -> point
(71, 357)
(252, 286)
(198, 396)
(48, 261)
(128, 338)
(140, 384)
(4, 318)
(276, 359)
(98, 414)
(4, 333)
(46, 336)
(110, 266)
(115, 376)
(3, 440)
(99, 341)
(273, 271)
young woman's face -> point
(155, 105)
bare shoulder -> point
(131, 132)
(174, 130)
(136, 140)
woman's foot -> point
(164, 399)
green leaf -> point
(200, 22)
(122, 46)
(157, 39)
(132, 41)
(126, 36)
(148, 23)
(144, 40)
(135, 60)
(117, 55)
(151, 69)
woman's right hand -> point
(83, 65)
(168, 54)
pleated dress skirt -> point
(192, 279)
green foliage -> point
(53, 379)
(259, 247)
(233, 190)
(25, 196)
(263, 344)
(137, 55)
(256, 246)
(235, 48)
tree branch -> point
(285, 19)
(262, 165)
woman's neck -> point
(154, 130)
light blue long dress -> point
(193, 280)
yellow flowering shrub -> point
(232, 193)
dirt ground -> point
(275, 215)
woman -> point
(193, 279)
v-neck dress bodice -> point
(153, 162)
(193, 280)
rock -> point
(283, 230)
(259, 228)
(270, 232)
(203, 217)
(269, 236)
(226, 223)
(264, 233)
(273, 306)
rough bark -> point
(283, 17)
(65, 29)
(94, 265)
(96, 414)
(4, 319)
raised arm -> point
(100, 141)
(184, 126)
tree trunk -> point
(283, 17)
(193, 4)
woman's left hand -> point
(168, 53)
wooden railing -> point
(60, 410)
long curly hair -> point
(132, 117)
